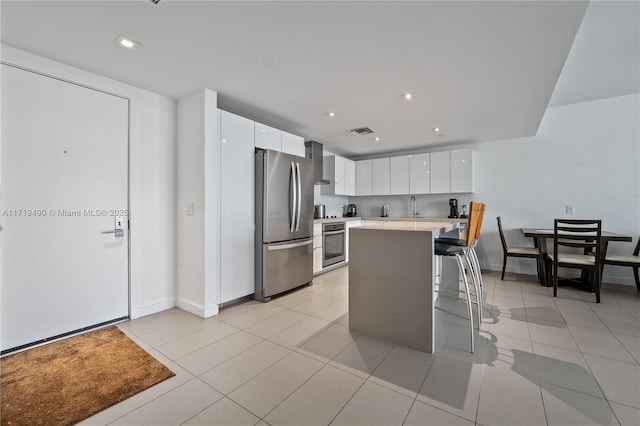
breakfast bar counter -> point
(391, 280)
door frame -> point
(128, 201)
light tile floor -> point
(539, 360)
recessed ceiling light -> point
(126, 42)
(377, 139)
(407, 96)
(331, 114)
(435, 130)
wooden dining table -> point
(540, 237)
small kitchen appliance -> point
(385, 210)
(351, 211)
(320, 211)
(453, 208)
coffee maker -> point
(351, 210)
(453, 208)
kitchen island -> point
(391, 280)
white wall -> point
(586, 155)
(198, 200)
(334, 204)
(428, 205)
(152, 177)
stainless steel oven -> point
(333, 243)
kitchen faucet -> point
(412, 201)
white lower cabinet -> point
(317, 248)
(236, 189)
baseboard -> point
(201, 311)
(606, 278)
(143, 311)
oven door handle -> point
(333, 232)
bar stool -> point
(464, 249)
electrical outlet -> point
(568, 209)
(190, 209)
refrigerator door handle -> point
(299, 196)
(294, 201)
(289, 246)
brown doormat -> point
(67, 381)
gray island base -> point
(391, 281)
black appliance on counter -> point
(453, 208)
(351, 211)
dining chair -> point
(585, 235)
(464, 252)
(528, 252)
(632, 260)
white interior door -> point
(64, 183)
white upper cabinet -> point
(461, 170)
(236, 189)
(342, 174)
(364, 176)
(292, 144)
(420, 174)
(399, 175)
(333, 169)
(268, 138)
(339, 175)
(349, 177)
(381, 174)
(440, 173)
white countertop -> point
(391, 219)
(416, 219)
(436, 228)
(336, 219)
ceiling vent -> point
(362, 131)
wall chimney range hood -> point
(313, 150)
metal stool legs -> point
(468, 294)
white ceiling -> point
(479, 70)
(605, 58)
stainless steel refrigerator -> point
(284, 222)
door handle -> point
(117, 232)
(295, 197)
(299, 196)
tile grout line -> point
(582, 354)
